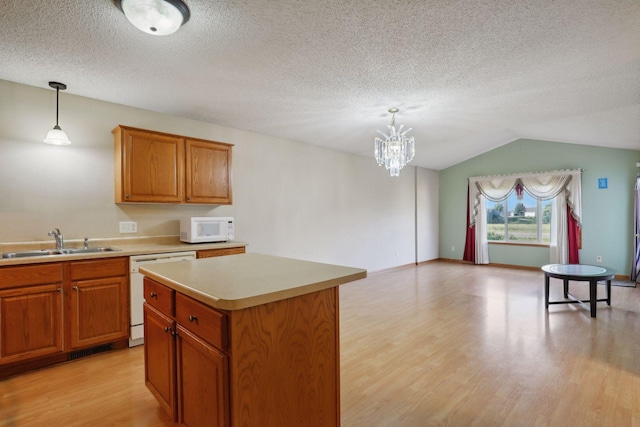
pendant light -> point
(157, 17)
(396, 149)
(57, 136)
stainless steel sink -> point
(88, 250)
(47, 252)
(44, 252)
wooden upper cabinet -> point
(149, 166)
(156, 167)
(208, 172)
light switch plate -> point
(128, 227)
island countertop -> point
(240, 281)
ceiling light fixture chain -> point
(396, 149)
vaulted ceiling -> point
(468, 76)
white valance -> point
(540, 185)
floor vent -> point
(89, 351)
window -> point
(563, 187)
(519, 221)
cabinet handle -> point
(188, 198)
(193, 318)
(167, 328)
(174, 333)
(59, 290)
(75, 288)
(126, 196)
(153, 295)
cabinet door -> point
(160, 358)
(98, 311)
(203, 384)
(208, 172)
(152, 167)
(30, 322)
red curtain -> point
(470, 242)
(574, 238)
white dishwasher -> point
(137, 297)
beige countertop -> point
(125, 247)
(246, 280)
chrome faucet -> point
(58, 236)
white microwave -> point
(201, 229)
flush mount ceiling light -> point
(57, 136)
(157, 17)
(396, 149)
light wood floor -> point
(434, 345)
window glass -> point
(519, 221)
(496, 226)
(545, 218)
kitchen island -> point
(245, 340)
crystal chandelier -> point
(396, 149)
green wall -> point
(607, 221)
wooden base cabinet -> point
(98, 301)
(31, 320)
(50, 310)
(185, 372)
(202, 382)
(275, 364)
(285, 362)
(160, 358)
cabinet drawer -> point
(204, 321)
(210, 253)
(159, 296)
(42, 274)
(98, 268)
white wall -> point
(290, 199)
(427, 206)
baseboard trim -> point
(517, 267)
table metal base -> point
(593, 293)
(579, 273)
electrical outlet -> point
(128, 227)
(397, 254)
(453, 248)
(598, 258)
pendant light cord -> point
(57, 104)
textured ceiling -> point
(468, 76)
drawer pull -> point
(75, 288)
(153, 295)
(167, 328)
(193, 318)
